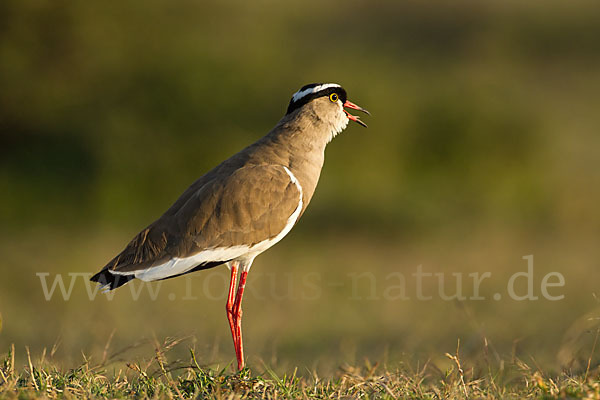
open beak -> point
(355, 118)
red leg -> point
(230, 302)
(239, 348)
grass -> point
(159, 377)
(508, 349)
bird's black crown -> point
(313, 91)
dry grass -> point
(159, 377)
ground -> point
(160, 377)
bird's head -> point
(328, 101)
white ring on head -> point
(301, 93)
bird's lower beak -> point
(355, 118)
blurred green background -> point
(482, 148)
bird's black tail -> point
(109, 280)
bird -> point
(241, 207)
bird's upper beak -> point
(355, 118)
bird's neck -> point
(299, 144)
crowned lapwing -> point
(241, 207)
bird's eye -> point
(333, 97)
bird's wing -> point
(226, 218)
